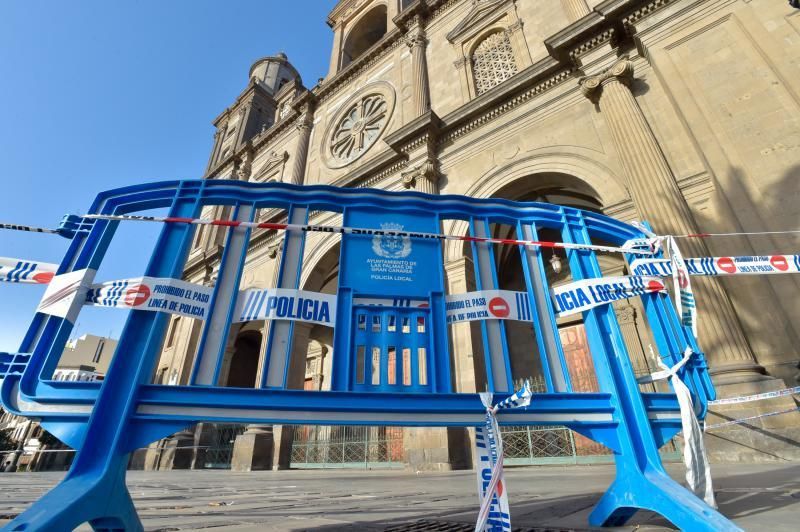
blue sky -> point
(100, 94)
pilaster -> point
(417, 41)
(304, 126)
(575, 9)
(658, 199)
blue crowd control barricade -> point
(391, 363)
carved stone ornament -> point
(274, 249)
(426, 170)
(274, 160)
(359, 125)
(621, 71)
(244, 166)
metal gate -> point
(347, 447)
(220, 448)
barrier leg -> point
(101, 499)
(656, 491)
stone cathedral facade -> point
(684, 113)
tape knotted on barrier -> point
(684, 296)
(494, 514)
(698, 470)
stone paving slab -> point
(542, 498)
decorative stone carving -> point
(274, 249)
(423, 178)
(416, 37)
(481, 12)
(621, 71)
(243, 166)
(274, 160)
(493, 62)
(356, 129)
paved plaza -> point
(765, 497)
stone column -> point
(417, 42)
(304, 125)
(468, 378)
(283, 436)
(336, 50)
(253, 450)
(658, 200)
(576, 9)
(424, 178)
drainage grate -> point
(427, 525)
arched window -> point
(367, 31)
(493, 62)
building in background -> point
(84, 359)
(684, 113)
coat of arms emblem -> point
(391, 246)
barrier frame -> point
(106, 421)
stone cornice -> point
(370, 167)
(413, 134)
(532, 81)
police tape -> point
(743, 420)
(586, 294)
(494, 513)
(744, 265)
(756, 397)
(637, 246)
(286, 304)
(28, 228)
(152, 293)
(26, 271)
(183, 298)
(684, 295)
(488, 304)
(695, 458)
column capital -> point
(427, 171)
(416, 37)
(621, 71)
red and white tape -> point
(637, 246)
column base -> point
(252, 451)
(178, 452)
(283, 437)
(769, 439)
(436, 449)
(738, 373)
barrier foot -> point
(104, 502)
(657, 492)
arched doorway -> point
(557, 444)
(244, 361)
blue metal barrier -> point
(391, 364)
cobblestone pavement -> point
(763, 497)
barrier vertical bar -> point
(554, 364)
(98, 471)
(498, 366)
(279, 342)
(641, 481)
(223, 301)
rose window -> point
(359, 128)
